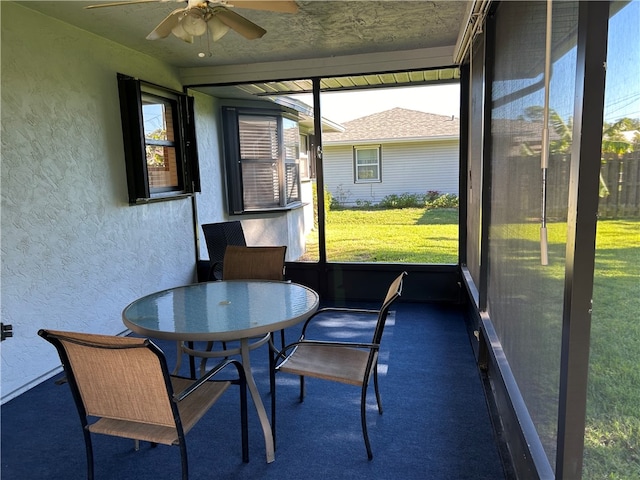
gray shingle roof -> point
(395, 124)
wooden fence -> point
(620, 186)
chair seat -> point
(339, 364)
(191, 409)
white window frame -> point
(357, 165)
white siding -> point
(412, 167)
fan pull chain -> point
(209, 52)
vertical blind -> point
(259, 154)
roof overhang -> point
(404, 78)
(377, 141)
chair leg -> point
(176, 370)
(192, 362)
(272, 388)
(244, 423)
(363, 418)
(89, 450)
(183, 460)
(302, 390)
(375, 385)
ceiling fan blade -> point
(243, 26)
(283, 6)
(165, 26)
(117, 4)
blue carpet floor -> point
(435, 423)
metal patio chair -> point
(243, 263)
(217, 236)
(350, 363)
(121, 387)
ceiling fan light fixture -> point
(217, 29)
(179, 32)
(193, 23)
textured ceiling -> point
(319, 29)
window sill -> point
(292, 206)
(165, 197)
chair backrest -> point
(123, 378)
(395, 290)
(254, 263)
(219, 235)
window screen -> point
(525, 298)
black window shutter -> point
(232, 160)
(192, 169)
(133, 136)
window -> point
(159, 141)
(366, 164)
(305, 166)
(262, 156)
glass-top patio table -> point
(224, 311)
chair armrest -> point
(178, 397)
(329, 343)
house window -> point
(161, 147)
(159, 141)
(262, 158)
(305, 167)
(367, 164)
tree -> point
(621, 137)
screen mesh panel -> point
(474, 168)
(525, 298)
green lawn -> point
(407, 235)
(612, 437)
(413, 235)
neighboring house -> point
(375, 154)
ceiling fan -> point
(213, 16)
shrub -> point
(430, 196)
(431, 199)
(448, 200)
(340, 197)
(404, 200)
(328, 202)
(364, 203)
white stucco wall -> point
(74, 253)
(211, 201)
(408, 167)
